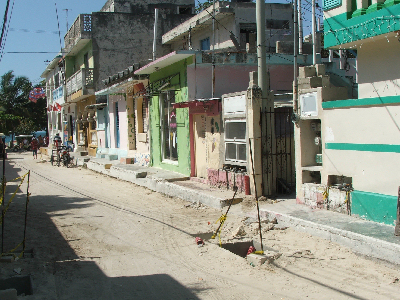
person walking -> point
(34, 147)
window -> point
(86, 60)
(144, 115)
(168, 126)
(185, 10)
(56, 81)
(235, 140)
(328, 4)
(142, 108)
(205, 44)
(278, 24)
(116, 125)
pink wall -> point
(233, 78)
(222, 179)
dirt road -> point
(95, 237)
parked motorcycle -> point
(66, 157)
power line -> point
(4, 22)
(33, 31)
(3, 43)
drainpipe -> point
(155, 33)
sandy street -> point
(95, 237)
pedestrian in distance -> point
(34, 147)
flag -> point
(56, 107)
(36, 93)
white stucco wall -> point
(371, 171)
(378, 68)
(123, 122)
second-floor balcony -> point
(81, 80)
(79, 33)
(349, 23)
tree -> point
(18, 113)
(202, 6)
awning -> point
(96, 106)
(165, 61)
(116, 88)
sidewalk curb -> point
(158, 185)
(357, 242)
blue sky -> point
(33, 27)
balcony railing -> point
(81, 29)
(58, 95)
(83, 79)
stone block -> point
(259, 259)
(308, 71)
(326, 82)
(310, 82)
(127, 160)
(107, 166)
(10, 294)
(320, 69)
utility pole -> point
(155, 34)
(300, 19)
(295, 41)
(261, 51)
(212, 53)
(314, 38)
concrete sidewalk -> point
(364, 237)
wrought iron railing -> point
(82, 79)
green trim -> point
(389, 3)
(374, 207)
(361, 102)
(359, 12)
(374, 7)
(329, 4)
(343, 29)
(363, 147)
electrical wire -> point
(6, 35)
(4, 22)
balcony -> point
(79, 34)
(81, 81)
(58, 95)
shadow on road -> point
(56, 270)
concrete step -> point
(111, 156)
